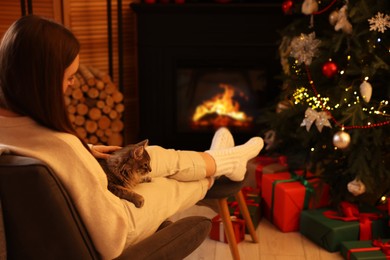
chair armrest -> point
(176, 241)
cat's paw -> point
(139, 203)
(147, 179)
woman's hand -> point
(103, 151)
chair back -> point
(39, 219)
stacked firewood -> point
(95, 107)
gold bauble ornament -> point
(341, 140)
(333, 17)
(309, 7)
(356, 187)
(366, 91)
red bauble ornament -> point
(329, 69)
(286, 6)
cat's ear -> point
(138, 152)
(144, 143)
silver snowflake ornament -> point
(304, 48)
(379, 22)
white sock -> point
(232, 162)
(222, 139)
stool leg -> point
(228, 226)
(245, 213)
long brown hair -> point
(34, 54)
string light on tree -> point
(338, 100)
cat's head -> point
(131, 159)
(141, 156)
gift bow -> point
(321, 119)
(377, 245)
(350, 212)
(384, 247)
(236, 209)
(246, 192)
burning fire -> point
(221, 110)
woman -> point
(38, 61)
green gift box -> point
(253, 201)
(329, 233)
(363, 250)
(252, 198)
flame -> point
(227, 110)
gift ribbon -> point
(236, 209)
(250, 191)
(385, 247)
(350, 212)
(377, 245)
(246, 192)
(294, 177)
(221, 235)
(283, 160)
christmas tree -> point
(333, 114)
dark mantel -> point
(221, 34)
(205, 24)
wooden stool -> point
(221, 190)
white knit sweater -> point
(105, 215)
(112, 223)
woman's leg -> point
(190, 165)
(164, 197)
(165, 161)
(180, 165)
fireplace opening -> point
(208, 98)
(217, 59)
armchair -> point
(39, 221)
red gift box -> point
(260, 165)
(218, 232)
(286, 194)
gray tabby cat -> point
(126, 168)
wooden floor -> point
(273, 244)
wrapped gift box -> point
(253, 202)
(364, 250)
(329, 233)
(218, 232)
(260, 165)
(252, 198)
(284, 197)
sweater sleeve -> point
(104, 214)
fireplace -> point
(202, 66)
(208, 98)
